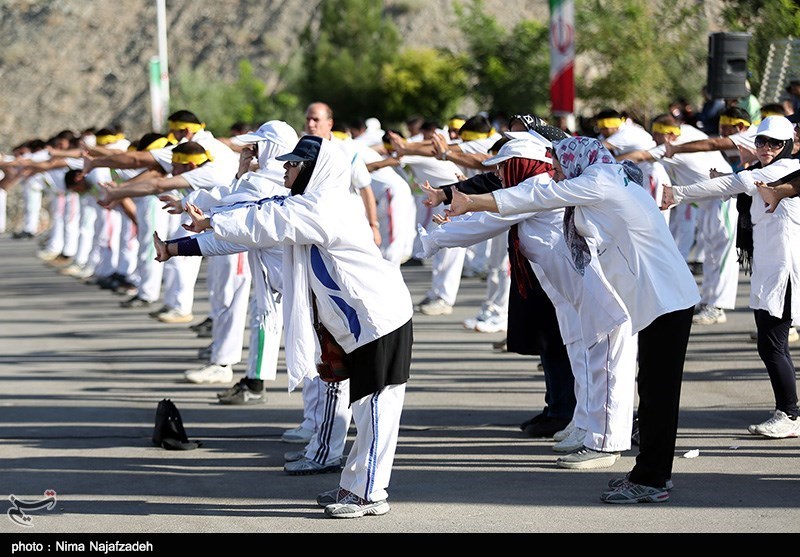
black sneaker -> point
(241, 394)
(134, 302)
(546, 427)
(205, 324)
(531, 421)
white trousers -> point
(476, 258)
(446, 278)
(398, 228)
(180, 273)
(86, 233)
(605, 390)
(32, 198)
(720, 265)
(128, 248)
(498, 280)
(150, 218)
(424, 215)
(106, 242)
(265, 343)
(682, 225)
(229, 276)
(3, 209)
(332, 415)
(72, 223)
(369, 464)
(55, 238)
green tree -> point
(766, 21)
(343, 52)
(510, 68)
(424, 81)
(220, 104)
(641, 55)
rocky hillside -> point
(79, 63)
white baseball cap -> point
(276, 131)
(520, 148)
(776, 127)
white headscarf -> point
(279, 138)
(329, 185)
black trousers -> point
(773, 348)
(662, 353)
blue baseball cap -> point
(307, 149)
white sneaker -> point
(564, 433)
(470, 323)
(47, 255)
(710, 315)
(493, 324)
(174, 316)
(779, 426)
(212, 373)
(436, 307)
(297, 435)
(571, 443)
(73, 270)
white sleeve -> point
(164, 158)
(470, 230)
(206, 199)
(359, 175)
(657, 152)
(532, 196)
(210, 244)
(270, 222)
(722, 186)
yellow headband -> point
(340, 135)
(159, 143)
(389, 147)
(472, 136)
(108, 139)
(189, 126)
(609, 122)
(729, 121)
(765, 113)
(456, 123)
(198, 159)
(665, 129)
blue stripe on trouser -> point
(372, 457)
(326, 428)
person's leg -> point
(611, 389)
(72, 223)
(773, 349)
(333, 415)
(446, 279)
(559, 382)
(232, 291)
(369, 464)
(720, 266)
(662, 353)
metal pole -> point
(161, 11)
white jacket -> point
(636, 250)
(776, 249)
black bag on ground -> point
(169, 432)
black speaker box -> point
(727, 65)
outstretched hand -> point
(440, 219)
(461, 204)
(433, 196)
(172, 203)
(769, 195)
(162, 253)
(667, 197)
(199, 222)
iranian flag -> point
(562, 56)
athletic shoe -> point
(205, 333)
(297, 435)
(436, 307)
(60, 260)
(545, 427)
(307, 467)
(212, 373)
(73, 270)
(203, 324)
(494, 324)
(353, 506)
(564, 433)
(331, 497)
(629, 492)
(124, 286)
(501, 345)
(174, 316)
(45, 255)
(571, 443)
(617, 482)
(294, 456)
(242, 394)
(134, 302)
(159, 311)
(587, 459)
(779, 426)
(710, 315)
(698, 308)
